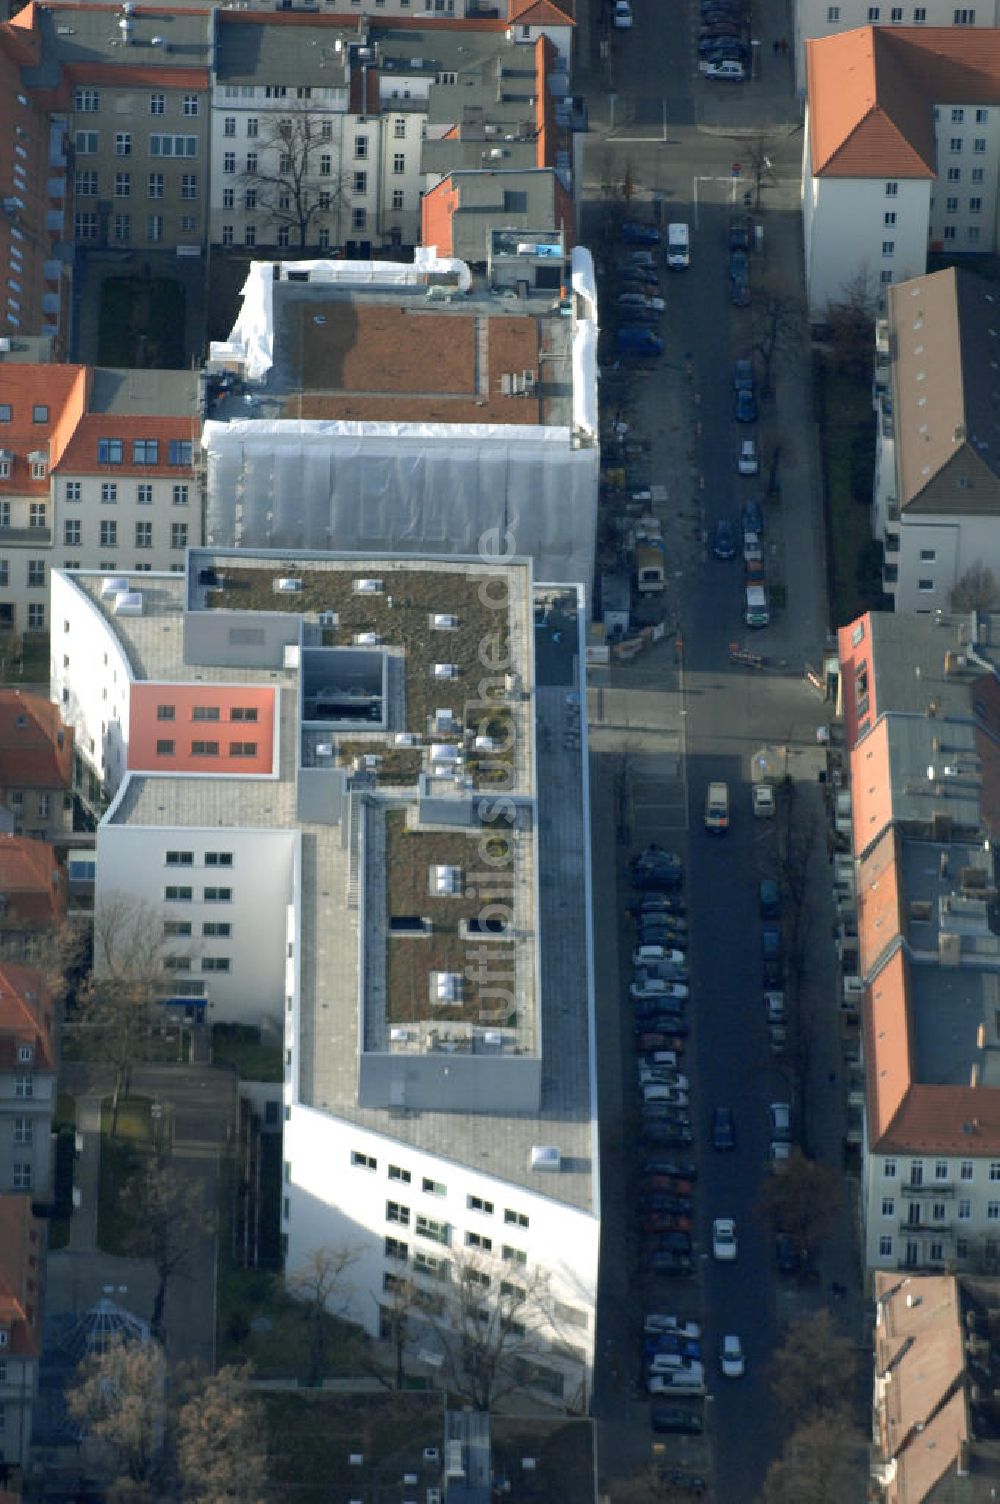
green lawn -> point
(241, 1047)
(141, 323)
(311, 1436)
(847, 436)
(120, 1158)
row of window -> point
(174, 894)
(243, 713)
(88, 102)
(441, 1232)
(960, 17)
(144, 452)
(38, 513)
(88, 144)
(36, 573)
(73, 491)
(211, 928)
(185, 963)
(73, 535)
(935, 1252)
(939, 1210)
(87, 184)
(211, 858)
(431, 1187)
(942, 1170)
(87, 226)
(167, 747)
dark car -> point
(739, 292)
(654, 1040)
(770, 899)
(752, 518)
(723, 540)
(655, 1164)
(743, 375)
(786, 1254)
(746, 407)
(669, 1186)
(715, 46)
(723, 1129)
(670, 1242)
(665, 1222)
(671, 1419)
(636, 339)
(658, 1261)
(667, 903)
(633, 232)
(657, 869)
(739, 265)
(667, 1008)
(671, 1134)
(671, 1342)
(664, 1201)
(770, 940)
(739, 233)
(675, 1026)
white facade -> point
(926, 1210)
(135, 523)
(818, 18)
(875, 227)
(963, 207)
(27, 1103)
(323, 1161)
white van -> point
(717, 808)
(678, 248)
(757, 612)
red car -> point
(648, 1042)
(671, 1183)
(665, 1222)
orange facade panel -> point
(224, 729)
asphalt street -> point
(676, 718)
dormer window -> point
(24, 1054)
(4, 1336)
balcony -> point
(890, 576)
(890, 542)
(30, 535)
(930, 1190)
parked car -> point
(660, 1075)
(657, 869)
(748, 463)
(780, 1114)
(644, 991)
(659, 1261)
(623, 15)
(672, 1419)
(723, 540)
(654, 1092)
(670, 1342)
(654, 1040)
(728, 71)
(658, 1059)
(634, 232)
(658, 1164)
(655, 1322)
(664, 1222)
(752, 518)
(670, 904)
(769, 899)
(739, 265)
(724, 1244)
(640, 300)
(646, 953)
(672, 1242)
(746, 407)
(634, 339)
(641, 258)
(739, 233)
(739, 292)
(669, 1362)
(668, 1185)
(763, 801)
(731, 1359)
(663, 1024)
(718, 44)
(778, 1155)
(671, 1135)
(688, 1382)
(743, 375)
(774, 1007)
(723, 1129)
(663, 1201)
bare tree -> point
(803, 1199)
(759, 154)
(813, 1369)
(170, 1219)
(320, 1284)
(824, 1461)
(851, 318)
(119, 1401)
(295, 183)
(398, 1308)
(777, 330)
(977, 590)
(221, 1454)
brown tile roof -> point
(541, 13)
(25, 1016)
(872, 92)
(80, 454)
(37, 754)
(412, 364)
(889, 1046)
(871, 786)
(58, 389)
(880, 901)
(30, 883)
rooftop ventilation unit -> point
(446, 670)
(128, 603)
(445, 754)
(405, 739)
(287, 587)
(446, 988)
(444, 719)
(366, 639)
(113, 585)
(328, 618)
(446, 881)
(367, 587)
(442, 621)
(399, 1035)
(324, 750)
(454, 1467)
(545, 1157)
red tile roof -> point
(25, 1016)
(30, 884)
(80, 454)
(36, 750)
(872, 93)
(541, 13)
(23, 388)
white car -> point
(647, 990)
(675, 1363)
(731, 1359)
(763, 801)
(658, 1091)
(676, 1383)
(655, 1323)
(774, 1007)
(646, 954)
(623, 15)
(729, 70)
(641, 300)
(724, 1239)
(748, 463)
(660, 1076)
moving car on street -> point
(724, 1245)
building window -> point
(85, 184)
(179, 858)
(965, 1171)
(145, 451)
(229, 161)
(477, 1204)
(975, 206)
(109, 492)
(86, 101)
(433, 1187)
(243, 713)
(36, 618)
(36, 573)
(954, 174)
(157, 103)
(22, 1176)
(37, 514)
(24, 1086)
(154, 228)
(189, 185)
(250, 235)
(873, 13)
(979, 144)
(896, 14)
(229, 198)
(23, 1131)
(891, 189)
(361, 182)
(205, 713)
(976, 174)
(964, 18)
(178, 535)
(177, 895)
(964, 1209)
(72, 534)
(958, 115)
(164, 748)
(949, 232)
(123, 144)
(204, 749)
(885, 1246)
(166, 713)
(359, 219)
(217, 895)
(250, 199)
(437, 1232)
(398, 162)
(396, 1249)
(85, 226)
(86, 143)
(154, 185)
(361, 148)
(123, 184)
(955, 144)
(925, 585)
(888, 247)
(215, 963)
(478, 1240)
(397, 198)
(180, 496)
(217, 930)
(514, 1219)
(889, 1169)
(189, 105)
(993, 1211)
(144, 535)
(919, 15)
(982, 117)
(252, 126)
(228, 235)
(395, 1212)
(218, 858)
(937, 1252)
(513, 1255)
(173, 146)
(888, 1206)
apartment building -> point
(934, 1426)
(901, 153)
(922, 715)
(936, 496)
(22, 1291)
(32, 897)
(818, 18)
(383, 408)
(36, 767)
(336, 809)
(34, 196)
(98, 469)
(133, 86)
(27, 1082)
(480, 216)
